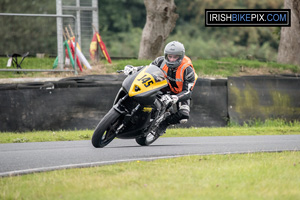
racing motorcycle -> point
(138, 109)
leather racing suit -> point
(184, 97)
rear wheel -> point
(147, 140)
(105, 131)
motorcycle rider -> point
(179, 70)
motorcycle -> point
(138, 109)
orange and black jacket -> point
(181, 79)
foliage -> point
(194, 10)
(22, 34)
(124, 44)
(223, 43)
(117, 16)
(121, 24)
(259, 43)
(214, 42)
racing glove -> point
(129, 69)
(170, 99)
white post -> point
(95, 21)
(78, 21)
(59, 25)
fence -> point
(36, 17)
(86, 12)
(43, 34)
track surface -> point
(26, 158)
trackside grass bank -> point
(241, 176)
(256, 127)
(222, 67)
(47, 136)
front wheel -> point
(105, 131)
(147, 140)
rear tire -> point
(146, 140)
(105, 131)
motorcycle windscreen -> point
(151, 78)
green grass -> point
(241, 176)
(269, 127)
(232, 67)
(246, 176)
(45, 136)
(28, 63)
(223, 67)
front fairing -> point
(139, 90)
(148, 80)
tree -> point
(22, 34)
(289, 46)
(161, 20)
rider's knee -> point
(181, 116)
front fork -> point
(160, 115)
(123, 111)
(119, 107)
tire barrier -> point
(65, 84)
(219, 82)
(36, 85)
(81, 102)
(101, 78)
(72, 79)
(208, 107)
(108, 77)
(8, 86)
(95, 80)
(56, 109)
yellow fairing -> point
(145, 82)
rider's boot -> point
(162, 128)
(170, 119)
(164, 124)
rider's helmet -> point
(174, 48)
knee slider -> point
(183, 121)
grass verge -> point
(223, 67)
(242, 176)
(28, 63)
(47, 136)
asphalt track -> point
(24, 158)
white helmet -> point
(174, 48)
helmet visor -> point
(173, 58)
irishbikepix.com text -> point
(247, 17)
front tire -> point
(105, 131)
(147, 140)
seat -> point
(13, 59)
